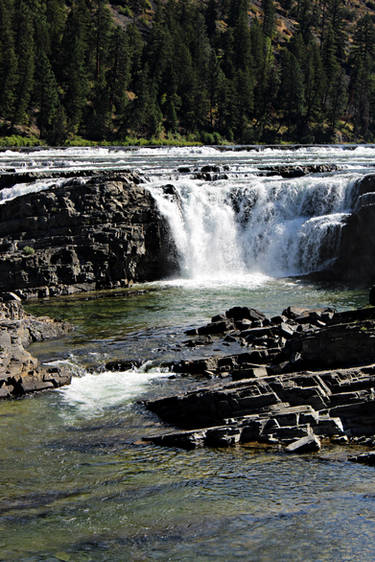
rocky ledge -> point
(100, 232)
(306, 377)
(20, 372)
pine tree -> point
(58, 132)
(101, 37)
(291, 93)
(8, 61)
(119, 73)
(47, 94)
(75, 46)
(269, 11)
(362, 81)
(211, 16)
(26, 62)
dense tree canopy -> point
(214, 69)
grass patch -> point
(16, 141)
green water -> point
(76, 482)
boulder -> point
(243, 312)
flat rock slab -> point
(308, 444)
(364, 458)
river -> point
(76, 481)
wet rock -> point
(249, 372)
(364, 458)
(299, 171)
(354, 264)
(291, 433)
(328, 426)
(339, 345)
(277, 392)
(223, 436)
(182, 439)
(243, 312)
(214, 328)
(308, 444)
(122, 364)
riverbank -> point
(20, 372)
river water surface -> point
(76, 481)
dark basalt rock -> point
(20, 372)
(364, 458)
(355, 264)
(307, 374)
(9, 179)
(299, 171)
(104, 233)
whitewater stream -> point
(76, 481)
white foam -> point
(225, 281)
(92, 393)
(20, 189)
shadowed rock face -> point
(104, 233)
(355, 264)
(20, 372)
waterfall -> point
(233, 227)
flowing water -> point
(76, 481)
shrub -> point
(28, 251)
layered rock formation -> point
(101, 232)
(306, 375)
(20, 372)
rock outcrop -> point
(306, 375)
(355, 264)
(103, 232)
(20, 372)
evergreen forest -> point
(213, 71)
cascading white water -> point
(204, 227)
(277, 227)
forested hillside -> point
(214, 70)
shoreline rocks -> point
(20, 372)
(306, 378)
